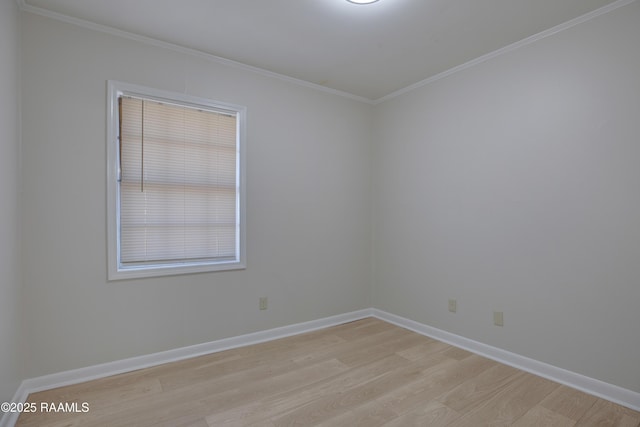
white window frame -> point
(117, 271)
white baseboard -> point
(610, 392)
(89, 373)
(613, 393)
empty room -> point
(319, 212)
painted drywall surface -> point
(513, 186)
(308, 204)
(9, 202)
(10, 367)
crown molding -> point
(224, 61)
(185, 50)
(509, 48)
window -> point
(175, 183)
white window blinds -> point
(178, 191)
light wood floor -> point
(365, 373)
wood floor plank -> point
(280, 403)
(439, 378)
(509, 403)
(354, 330)
(104, 393)
(424, 348)
(433, 414)
(371, 414)
(292, 380)
(378, 351)
(539, 416)
(362, 341)
(604, 413)
(476, 390)
(340, 401)
(197, 401)
(254, 366)
(456, 353)
(364, 373)
(200, 423)
(569, 402)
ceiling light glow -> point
(362, 1)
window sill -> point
(138, 272)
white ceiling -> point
(365, 50)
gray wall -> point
(308, 205)
(10, 370)
(513, 186)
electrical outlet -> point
(498, 318)
(453, 305)
(263, 303)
